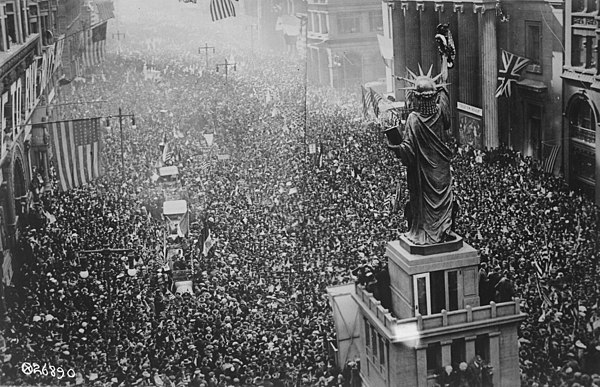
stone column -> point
(446, 353)
(26, 21)
(412, 36)
(421, 365)
(470, 347)
(429, 51)
(18, 23)
(489, 74)
(495, 356)
(448, 15)
(399, 44)
(468, 55)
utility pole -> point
(206, 48)
(118, 34)
(252, 27)
(120, 116)
(226, 65)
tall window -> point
(349, 23)
(458, 352)
(434, 358)
(533, 45)
(375, 21)
(582, 123)
(482, 346)
(582, 51)
(583, 6)
(584, 42)
(11, 24)
(453, 290)
(33, 19)
(323, 19)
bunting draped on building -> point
(509, 72)
(221, 9)
(386, 49)
(76, 146)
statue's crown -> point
(423, 85)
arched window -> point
(582, 122)
(582, 115)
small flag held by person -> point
(209, 242)
(221, 9)
(76, 145)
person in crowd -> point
(286, 225)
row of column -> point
(474, 75)
(494, 360)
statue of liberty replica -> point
(422, 149)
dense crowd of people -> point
(305, 198)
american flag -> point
(375, 98)
(221, 9)
(94, 46)
(512, 65)
(550, 160)
(366, 96)
(106, 9)
(77, 146)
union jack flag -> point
(512, 65)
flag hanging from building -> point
(512, 65)
(386, 48)
(105, 9)
(366, 96)
(221, 9)
(77, 146)
(375, 99)
(551, 152)
(99, 42)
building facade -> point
(581, 77)
(435, 320)
(30, 56)
(278, 25)
(529, 120)
(343, 50)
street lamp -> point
(133, 126)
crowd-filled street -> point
(288, 223)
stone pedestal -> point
(406, 261)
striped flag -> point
(86, 54)
(105, 9)
(94, 45)
(168, 155)
(551, 157)
(98, 48)
(375, 99)
(221, 9)
(77, 145)
(366, 102)
(512, 65)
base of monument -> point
(453, 244)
